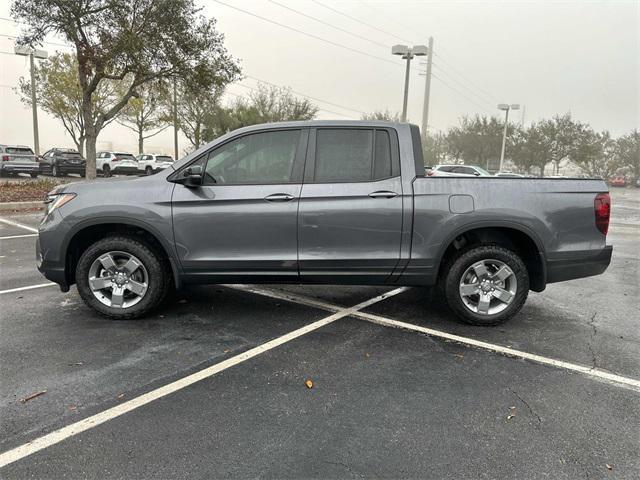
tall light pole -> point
(407, 54)
(33, 53)
(427, 91)
(175, 120)
(506, 107)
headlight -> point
(56, 200)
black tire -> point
(159, 281)
(34, 175)
(456, 268)
(106, 171)
(148, 171)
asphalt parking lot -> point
(213, 384)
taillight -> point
(431, 173)
(602, 208)
(115, 159)
(5, 158)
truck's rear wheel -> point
(148, 171)
(106, 171)
(486, 285)
(121, 277)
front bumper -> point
(586, 263)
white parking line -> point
(16, 224)
(52, 438)
(613, 378)
(19, 236)
(30, 287)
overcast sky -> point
(550, 56)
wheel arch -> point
(81, 236)
(516, 237)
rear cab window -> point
(19, 150)
(348, 155)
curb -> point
(10, 206)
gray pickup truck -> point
(322, 202)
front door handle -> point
(279, 197)
(383, 194)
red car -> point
(618, 181)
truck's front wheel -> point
(486, 285)
(122, 277)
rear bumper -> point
(19, 168)
(578, 264)
(72, 169)
(125, 170)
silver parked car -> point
(458, 171)
(16, 159)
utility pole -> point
(405, 98)
(407, 54)
(175, 120)
(33, 54)
(506, 107)
(524, 109)
(427, 89)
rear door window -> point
(343, 155)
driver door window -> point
(259, 158)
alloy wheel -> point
(118, 279)
(488, 287)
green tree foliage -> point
(197, 109)
(628, 148)
(596, 154)
(59, 94)
(476, 141)
(435, 148)
(145, 113)
(529, 148)
(128, 41)
(384, 115)
(265, 104)
(562, 135)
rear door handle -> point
(383, 194)
(279, 197)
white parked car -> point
(116, 163)
(508, 174)
(151, 163)
(458, 171)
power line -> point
(309, 96)
(460, 93)
(254, 89)
(329, 24)
(46, 43)
(465, 77)
(403, 26)
(452, 78)
(322, 109)
(307, 34)
(359, 21)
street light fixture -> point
(506, 107)
(407, 54)
(40, 54)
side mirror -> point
(477, 174)
(192, 176)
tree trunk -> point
(81, 146)
(91, 152)
(140, 141)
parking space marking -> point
(19, 225)
(30, 287)
(57, 436)
(617, 380)
(19, 236)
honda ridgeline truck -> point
(322, 202)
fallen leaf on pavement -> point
(32, 396)
(308, 383)
(120, 396)
(510, 416)
(73, 408)
(609, 467)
